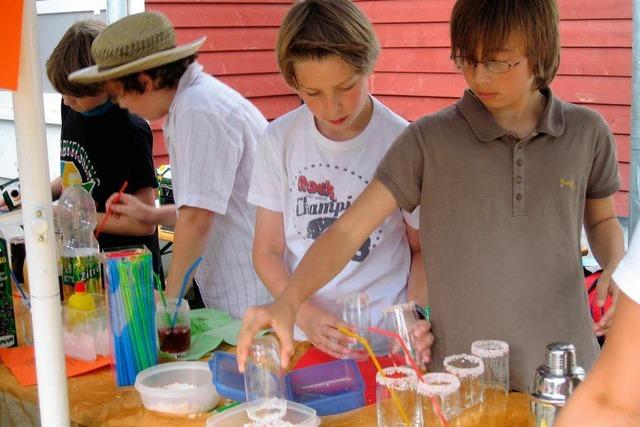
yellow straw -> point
(366, 345)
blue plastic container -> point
(329, 388)
(228, 380)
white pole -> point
(38, 226)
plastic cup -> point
(495, 356)
(174, 340)
(264, 383)
(401, 319)
(397, 402)
(356, 313)
(445, 388)
(495, 380)
(469, 370)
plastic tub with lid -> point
(182, 388)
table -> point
(94, 400)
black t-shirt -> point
(100, 150)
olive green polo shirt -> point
(500, 225)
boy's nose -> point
(481, 74)
(334, 106)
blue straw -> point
(23, 294)
(183, 289)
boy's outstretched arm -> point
(609, 396)
(607, 244)
(126, 225)
(131, 206)
(191, 233)
(326, 258)
(320, 326)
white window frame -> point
(45, 7)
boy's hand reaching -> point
(604, 288)
(130, 206)
(423, 339)
(280, 317)
(321, 328)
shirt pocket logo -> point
(569, 183)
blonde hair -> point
(315, 29)
(488, 24)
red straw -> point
(414, 366)
(108, 213)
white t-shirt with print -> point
(211, 133)
(627, 275)
(312, 180)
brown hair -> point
(72, 53)
(315, 29)
(164, 76)
(488, 24)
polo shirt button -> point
(519, 146)
(519, 162)
(519, 196)
(518, 180)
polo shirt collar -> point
(190, 74)
(486, 129)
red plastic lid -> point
(81, 287)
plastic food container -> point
(297, 415)
(181, 388)
(229, 382)
(329, 388)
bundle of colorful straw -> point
(129, 283)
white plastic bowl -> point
(177, 398)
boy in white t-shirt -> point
(313, 162)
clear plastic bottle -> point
(80, 250)
(8, 336)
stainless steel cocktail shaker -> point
(554, 382)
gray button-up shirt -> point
(500, 225)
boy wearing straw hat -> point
(94, 136)
(210, 132)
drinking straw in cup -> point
(444, 388)
(401, 381)
(357, 314)
(469, 370)
(401, 319)
(435, 404)
(374, 359)
(183, 288)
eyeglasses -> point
(491, 66)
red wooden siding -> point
(414, 75)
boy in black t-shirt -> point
(102, 145)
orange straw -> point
(366, 345)
(414, 365)
(108, 213)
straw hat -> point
(134, 43)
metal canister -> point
(554, 382)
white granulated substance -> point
(279, 423)
(179, 386)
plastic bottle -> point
(80, 249)
(8, 336)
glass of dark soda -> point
(173, 322)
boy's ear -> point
(145, 81)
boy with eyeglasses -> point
(505, 179)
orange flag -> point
(10, 31)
